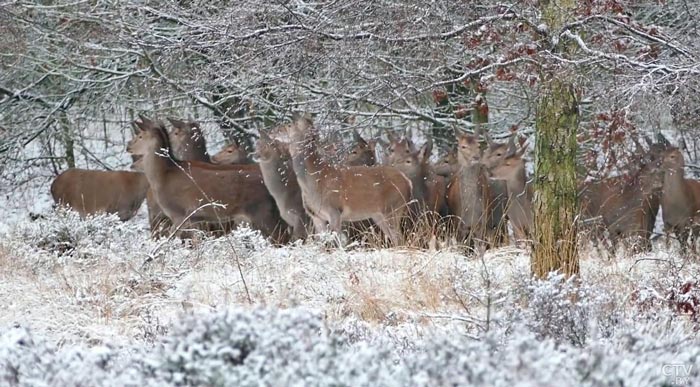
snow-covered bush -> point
(295, 348)
(556, 308)
(26, 360)
(67, 237)
(262, 347)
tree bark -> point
(68, 140)
(555, 200)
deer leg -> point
(298, 228)
(389, 231)
(667, 235)
(320, 225)
(693, 239)
(683, 233)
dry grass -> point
(118, 299)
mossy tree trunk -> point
(555, 200)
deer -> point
(197, 192)
(187, 141)
(477, 201)
(90, 192)
(361, 153)
(333, 195)
(279, 177)
(628, 204)
(496, 152)
(231, 154)
(429, 188)
(446, 165)
(680, 200)
(508, 165)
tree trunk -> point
(68, 140)
(555, 200)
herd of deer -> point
(294, 185)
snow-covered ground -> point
(97, 302)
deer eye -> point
(498, 154)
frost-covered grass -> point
(97, 302)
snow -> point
(83, 305)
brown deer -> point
(446, 165)
(187, 141)
(279, 177)
(90, 192)
(361, 153)
(495, 152)
(158, 222)
(469, 198)
(478, 202)
(198, 192)
(233, 153)
(628, 204)
(335, 195)
(429, 188)
(509, 166)
(680, 200)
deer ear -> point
(487, 136)
(146, 122)
(512, 149)
(372, 144)
(425, 151)
(356, 136)
(299, 116)
(391, 136)
(663, 141)
(175, 122)
(648, 140)
(135, 127)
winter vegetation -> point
(84, 305)
(589, 96)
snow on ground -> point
(97, 302)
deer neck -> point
(471, 182)
(516, 181)
(276, 172)
(156, 165)
(306, 162)
(675, 192)
(194, 152)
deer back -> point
(182, 187)
(358, 193)
(90, 192)
(681, 196)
